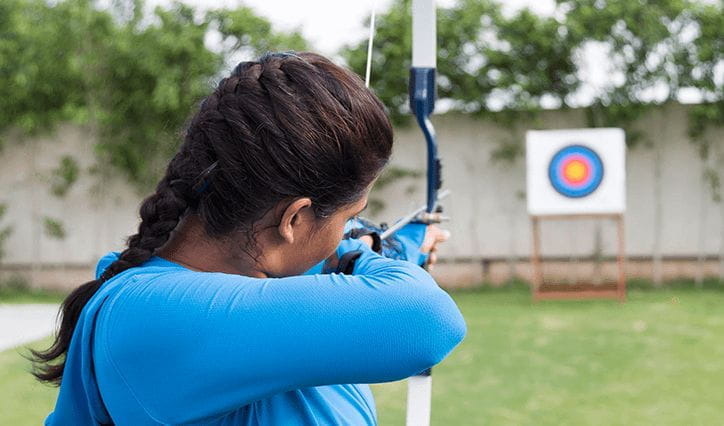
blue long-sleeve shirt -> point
(162, 344)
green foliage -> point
(517, 65)
(394, 173)
(244, 31)
(390, 175)
(5, 231)
(134, 79)
(41, 82)
(145, 81)
(53, 228)
(153, 77)
(17, 289)
(375, 206)
(650, 50)
(15, 284)
(64, 176)
(484, 59)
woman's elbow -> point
(444, 328)
(432, 324)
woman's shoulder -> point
(157, 286)
(160, 271)
(155, 306)
(105, 261)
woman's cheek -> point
(336, 237)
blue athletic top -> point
(162, 344)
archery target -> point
(576, 171)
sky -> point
(330, 24)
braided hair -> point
(287, 125)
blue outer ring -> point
(596, 171)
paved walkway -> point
(24, 323)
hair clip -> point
(286, 54)
(203, 183)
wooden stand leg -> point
(537, 273)
(621, 261)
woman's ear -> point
(292, 217)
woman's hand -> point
(367, 240)
(434, 235)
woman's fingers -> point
(443, 236)
(367, 240)
(433, 236)
(430, 238)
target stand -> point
(576, 174)
(551, 291)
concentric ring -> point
(575, 171)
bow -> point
(422, 90)
(422, 104)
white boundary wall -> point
(488, 205)
(670, 216)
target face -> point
(575, 171)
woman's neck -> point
(191, 247)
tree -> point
(520, 64)
(133, 79)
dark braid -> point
(285, 126)
(160, 213)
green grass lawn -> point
(657, 359)
(23, 401)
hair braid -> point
(160, 214)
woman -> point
(205, 317)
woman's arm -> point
(189, 345)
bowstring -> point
(369, 44)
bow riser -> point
(422, 104)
